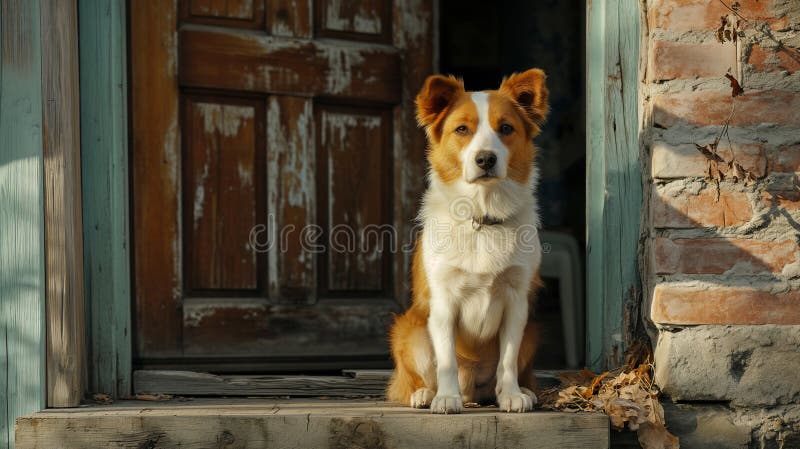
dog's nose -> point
(486, 160)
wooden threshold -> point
(188, 383)
(352, 383)
(308, 365)
(308, 423)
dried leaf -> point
(622, 411)
(739, 173)
(736, 171)
(736, 89)
(155, 397)
(710, 152)
(656, 436)
(638, 354)
(566, 397)
(643, 371)
(606, 394)
(596, 383)
(656, 411)
(583, 377)
(547, 398)
(629, 398)
(729, 28)
(634, 393)
(714, 173)
(721, 29)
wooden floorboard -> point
(188, 383)
(351, 384)
(306, 423)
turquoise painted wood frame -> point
(104, 164)
(614, 178)
(23, 362)
(22, 267)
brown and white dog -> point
(468, 336)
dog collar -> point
(486, 220)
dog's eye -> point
(462, 130)
(506, 129)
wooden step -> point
(302, 423)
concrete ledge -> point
(270, 423)
(706, 426)
(715, 426)
(753, 365)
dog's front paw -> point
(531, 394)
(515, 402)
(421, 398)
(446, 404)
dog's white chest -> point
(484, 251)
(479, 312)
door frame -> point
(106, 208)
(613, 177)
(614, 184)
(22, 242)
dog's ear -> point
(528, 90)
(437, 95)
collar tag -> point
(486, 220)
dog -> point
(468, 336)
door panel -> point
(225, 329)
(255, 138)
(228, 9)
(355, 20)
(292, 197)
(240, 60)
(289, 18)
(354, 172)
(229, 13)
(223, 193)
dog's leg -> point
(466, 380)
(424, 365)
(527, 350)
(441, 326)
(414, 379)
(422, 398)
(509, 396)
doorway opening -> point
(481, 43)
(203, 299)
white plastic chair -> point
(561, 260)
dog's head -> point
(483, 137)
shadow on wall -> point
(21, 290)
(724, 256)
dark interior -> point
(482, 42)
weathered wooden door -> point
(274, 149)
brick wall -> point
(723, 267)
